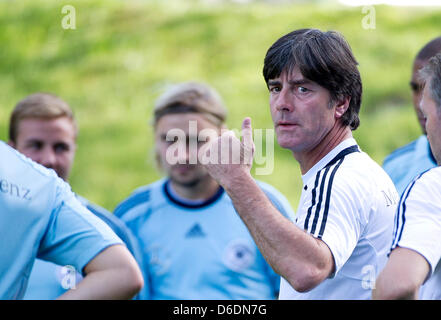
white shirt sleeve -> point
(343, 228)
(419, 216)
(332, 214)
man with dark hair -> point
(413, 269)
(405, 163)
(345, 215)
(330, 64)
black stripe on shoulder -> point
(314, 193)
(328, 199)
(402, 209)
(338, 159)
(319, 204)
(343, 154)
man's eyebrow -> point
(300, 81)
(61, 143)
(33, 141)
(273, 82)
(294, 82)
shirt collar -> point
(327, 158)
(172, 196)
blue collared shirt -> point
(405, 163)
(41, 217)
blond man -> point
(43, 128)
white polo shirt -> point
(348, 201)
(418, 226)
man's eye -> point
(274, 89)
(416, 87)
(35, 145)
(61, 147)
(170, 140)
(302, 89)
(167, 138)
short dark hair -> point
(431, 73)
(323, 57)
(429, 50)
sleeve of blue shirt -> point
(120, 229)
(74, 235)
(117, 225)
(138, 196)
(40, 216)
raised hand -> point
(226, 158)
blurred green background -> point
(112, 67)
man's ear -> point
(341, 107)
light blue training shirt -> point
(405, 163)
(198, 250)
(41, 217)
(49, 280)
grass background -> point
(111, 68)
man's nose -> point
(183, 152)
(48, 158)
(284, 101)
